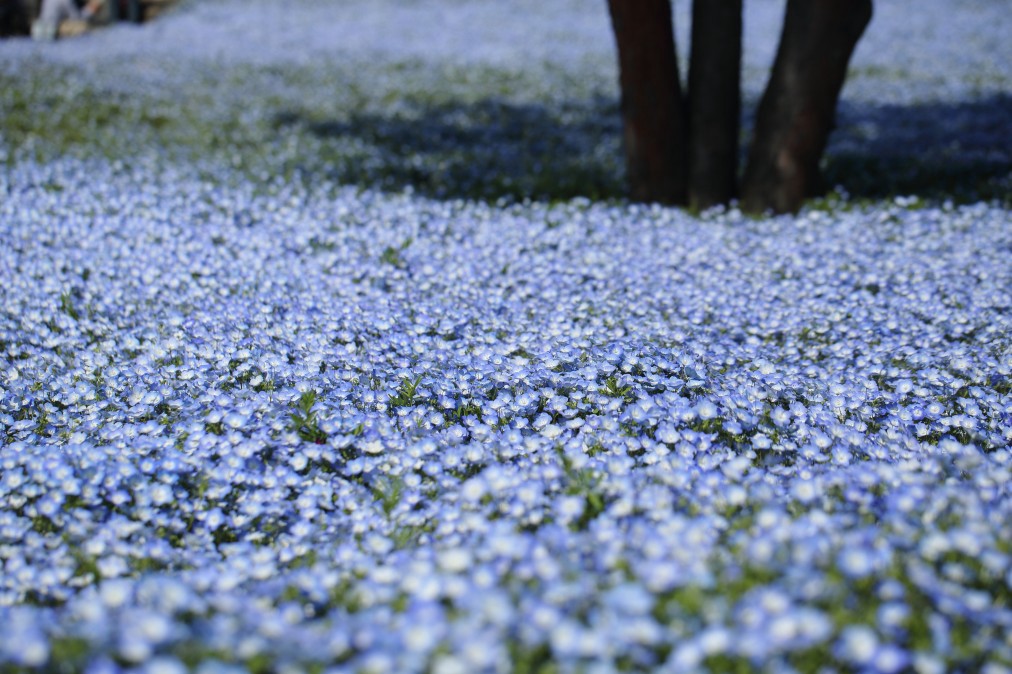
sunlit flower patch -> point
(576, 433)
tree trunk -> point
(714, 101)
(797, 111)
(653, 117)
(14, 18)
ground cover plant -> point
(330, 347)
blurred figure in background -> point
(55, 12)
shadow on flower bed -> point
(938, 151)
(491, 149)
(486, 150)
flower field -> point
(327, 344)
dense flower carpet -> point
(328, 346)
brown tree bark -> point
(797, 111)
(653, 115)
(714, 101)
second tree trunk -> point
(797, 111)
(714, 101)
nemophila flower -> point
(164, 665)
(857, 562)
(858, 645)
(24, 641)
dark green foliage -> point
(405, 396)
(304, 421)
